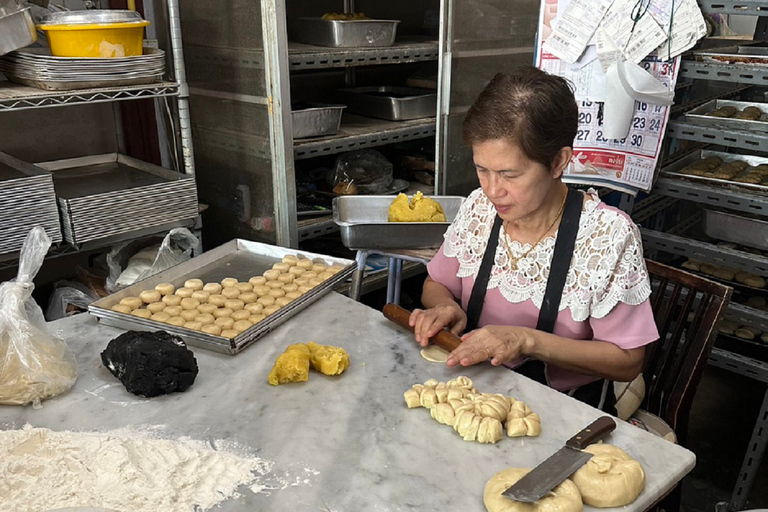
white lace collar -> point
(607, 266)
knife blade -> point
(560, 465)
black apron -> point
(598, 393)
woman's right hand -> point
(428, 322)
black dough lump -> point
(150, 363)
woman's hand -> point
(428, 322)
(500, 344)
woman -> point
(562, 295)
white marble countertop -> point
(344, 443)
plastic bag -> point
(362, 172)
(66, 294)
(127, 266)
(34, 365)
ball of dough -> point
(240, 314)
(282, 301)
(256, 319)
(132, 302)
(172, 300)
(725, 274)
(165, 288)
(319, 267)
(211, 329)
(173, 310)
(335, 269)
(205, 318)
(296, 271)
(257, 281)
(228, 282)
(287, 288)
(234, 304)
(229, 333)
(244, 287)
(266, 300)
(201, 296)
(195, 326)
(271, 275)
(141, 313)
(212, 288)
(185, 292)
(563, 498)
(269, 310)
(255, 308)
(217, 300)
(301, 282)
(121, 308)
(309, 275)
(293, 295)
(281, 267)
(207, 308)
(224, 322)
(315, 281)
(189, 303)
(230, 292)
(290, 259)
(286, 278)
(755, 281)
(305, 289)
(189, 315)
(156, 307)
(194, 284)
(160, 317)
(261, 290)
(176, 320)
(325, 275)
(611, 478)
(242, 325)
(248, 297)
(304, 263)
(276, 293)
(741, 332)
(275, 284)
(222, 312)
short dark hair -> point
(535, 110)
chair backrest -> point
(686, 308)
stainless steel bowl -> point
(93, 16)
(17, 30)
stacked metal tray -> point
(699, 115)
(27, 199)
(677, 169)
(237, 258)
(108, 195)
(359, 33)
(36, 67)
(315, 119)
(390, 102)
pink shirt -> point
(627, 326)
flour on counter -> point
(42, 469)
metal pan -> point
(699, 115)
(343, 33)
(675, 169)
(390, 103)
(315, 119)
(739, 54)
(736, 228)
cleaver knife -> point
(560, 465)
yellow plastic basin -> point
(96, 40)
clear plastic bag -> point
(128, 266)
(66, 294)
(362, 172)
(34, 365)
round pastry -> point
(724, 273)
(293, 295)
(207, 308)
(727, 327)
(184, 293)
(160, 317)
(257, 281)
(692, 265)
(176, 320)
(756, 332)
(256, 319)
(563, 498)
(281, 267)
(271, 274)
(189, 315)
(195, 326)
(756, 302)
(224, 322)
(255, 308)
(212, 288)
(189, 303)
(741, 333)
(291, 287)
(242, 325)
(708, 268)
(282, 301)
(274, 284)
(132, 302)
(325, 275)
(270, 310)
(217, 300)
(201, 296)
(228, 282)
(244, 287)
(205, 318)
(229, 333)
(611, 478)
(240, 314)
(211, 329)
(121, 308)
(230, 292)
(301, 282)
(305, 288)
(755, 281)
(222, 312)
(335, 269)
(319, 267)
(276, 293)
(248, 297)
(266, 300)
(286, 278)
(141, 313)
(310, 274)
(165, 288)
(315, 281)
(261, 290)
(156, 307)
(290, 259)
(172, 300)
(234, 304)
(296, 271)
(194, 284)
(173, 310)
(764, 337)
(304, 263)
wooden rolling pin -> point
(444, 339)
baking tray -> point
(343, 33)
(17, 30)
(74, 85)
(237, 258)
(363, 223)
(738, 54)
(674, 169)
(750, 348)
(735, 228)
(315, 119)
(699, 115)
(390, 102)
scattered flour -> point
(125, 470)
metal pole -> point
(180, 74)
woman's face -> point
(516, 185)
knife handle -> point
(592, 432)
(443, 339)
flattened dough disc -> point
(434, 354)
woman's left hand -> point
(500, 344)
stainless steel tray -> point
(390, 103)
(74, 85)
(363, 223)
(699, 115)
(343, 33)
(735, 228)
(237, 258)
(740, 54)
(17, 30)
(674, 170)
(316, 119)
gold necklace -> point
(512, 260)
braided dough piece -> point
(563, 498)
